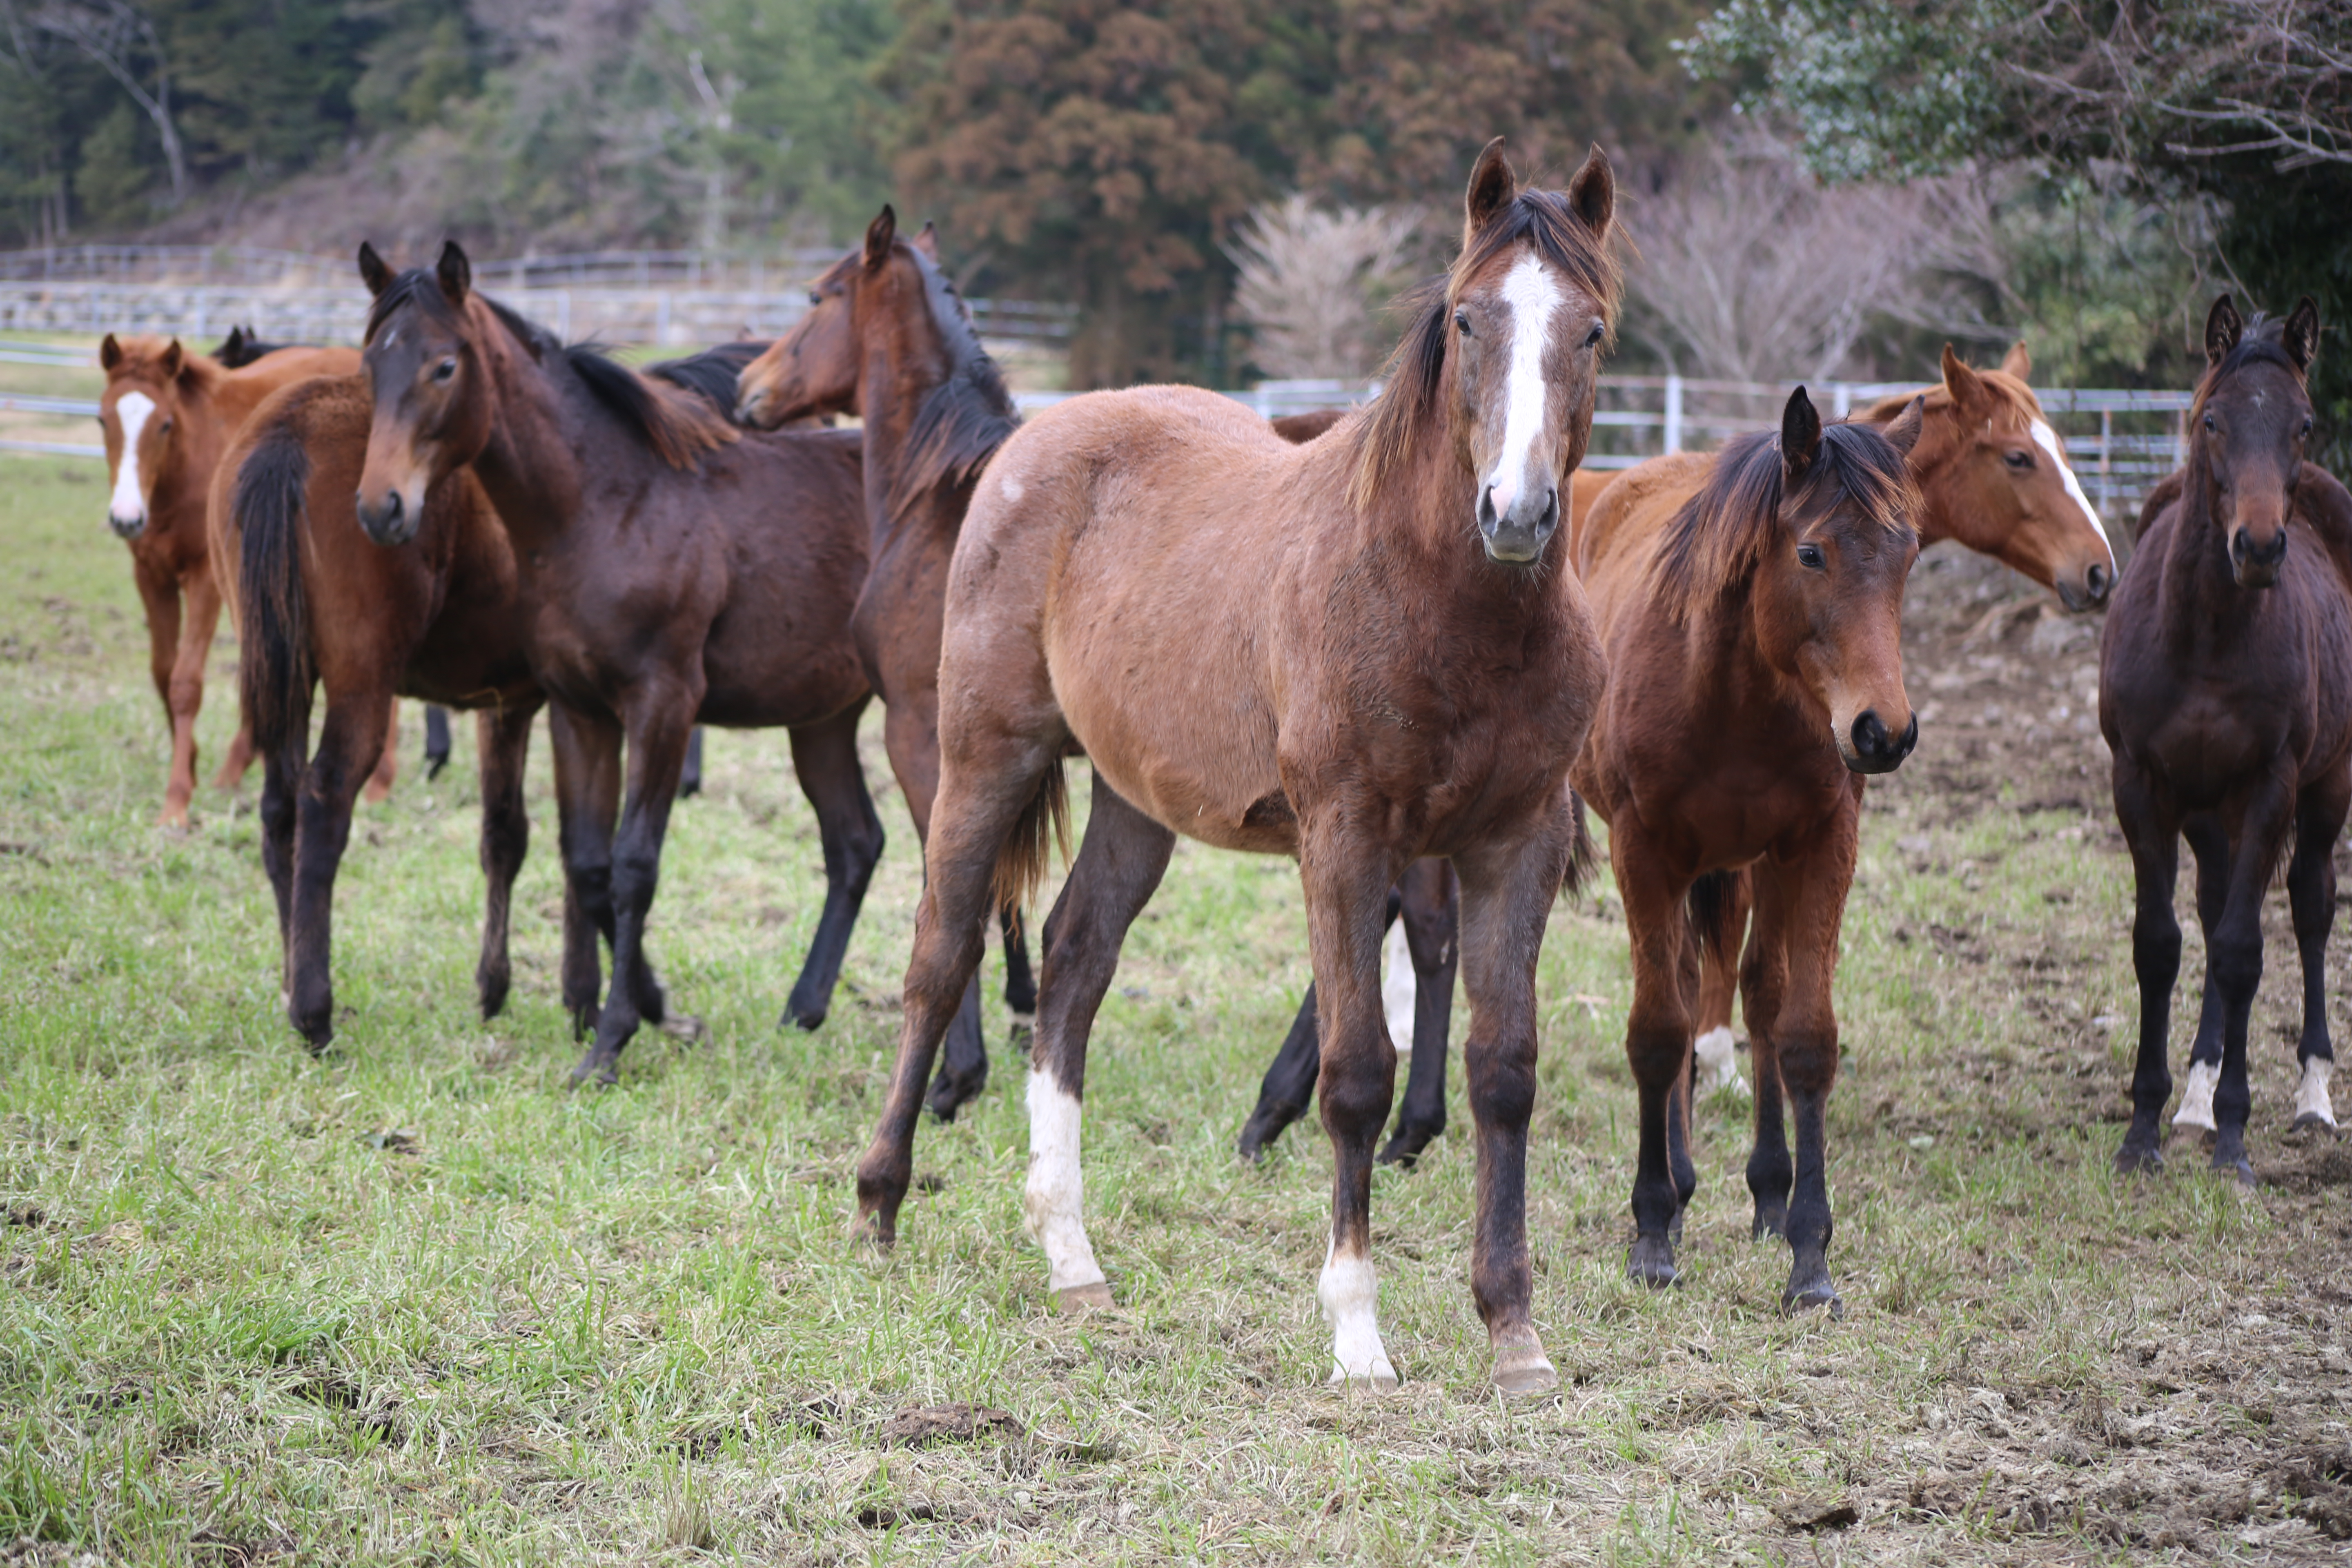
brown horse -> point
(667, 570)
(1358, 651)
(1751, 603)
(2225, 694)
(168, 415)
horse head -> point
(146, 380)
(427, 374)
(814, 368)
(2248, 426)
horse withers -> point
(1359, 651)
(2225, 694)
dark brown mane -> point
(966, 416)
(1392, 423)
(1715, 542)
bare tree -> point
(1312, 285)
(115, 34)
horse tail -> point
(1582, 860)
(1709, 905)
(1021, 863)
(278, 670)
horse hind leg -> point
(503, 739)
(348, 743)
(1118, 865)
(1717, 1049)
(1288, 1086)
(1429, 908)
(2211, 847)
(437, 739)
(387, 762)
(587, 749)
(825, 760)
(2311, 894)
(656, 750)
(1019, 980)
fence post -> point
(1673, 428)
(1841, 398)
(661, 319)
(2106, 438)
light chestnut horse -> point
(168, 415)
(1358, 651)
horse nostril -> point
(1910, 737)
(1869, 733)
(1487, 515)
(2097, 581)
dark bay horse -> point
(167, 416)
(2225, 694)
(1751, 603)
(1359, 651)
(669, 568)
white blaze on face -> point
(1052, 1205)
(2197, 1097)
(1350, 1298)
(1532, 296)
(1400, 988)
(2047, 440)
(2312, 1100)
(128, 504)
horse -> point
(1751, 603)
(1991, 474)
(671, 567)
(1359, 651)
(2225, 695)
(166, 414)
(242, 347)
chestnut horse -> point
(1751, 603)
(1992, 475)
(2225, 694)
(167, 415)
(669, 567)
(1359, 651)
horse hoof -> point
(1077, 1298)
(1651, 1261)
(1380, 1379)
(601, 1072)
(2240, 1167)
(1820, 1296)
(1772, 1225)
(1404, 1149)
(2145, 1161)
(2312, 1118)
(1260, 1131)
(1521, 1369)
(796, 1018)
(950, 1095)
(684, 1026)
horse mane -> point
(965, 418)
(1715, 542)
(1407, 399)
(678, 428)
(712, 374)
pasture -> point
(417, 1302)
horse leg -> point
(690, 780)
(1019, 981)
(1118, 865)
(825, 760)
(1718, 1052)
(436, 739)
(910, 734)
(387, 762)
(2154, 838)
(2233, 960)
(1431, 906)
(978, 807)
(1763, 981)
(1346, 879)
(349, 741)
(1657, 1042)
(1809, 904)
(658, 723)
(2311, 893)
(281, 780)
(502, 736)
(159, 593)
(587, 749)
(2210, 843)
(186, 695)
(239, 758)
(1288, 1086)
(1508, 890)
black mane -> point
(966, 416)
(712, 374)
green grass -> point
(415, 1302)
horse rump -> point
(276, 669)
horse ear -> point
(2302, 335)
(1800, 436)
(1967, 388)
(1904, 432)
(878, 236)
(1492, 188)
(2222, 330)
(1593, 192)
(927, 241)
(457, 273)
(374, 272)
(2017, 362)
(173, 357)
(109, 353)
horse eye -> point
(2019, 460)
(1462, 323)
(2208, 423)
(2306, 426)
(1810, 557)
(444, 370)
(1599, 330)
(816, 297)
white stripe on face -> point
(1532, 297)
(127, 505)
(2047, 440)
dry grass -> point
(416, 1303)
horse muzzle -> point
(1517, 537)
(127, 528)
(750, 406)
(2091, 590)
(390, 521)
(2255, 565)
(1869, 747)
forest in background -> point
(1815, 187)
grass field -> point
(415, 1302)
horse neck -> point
(899, 369)
(2200, 594)
(538, 449)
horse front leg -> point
(825, 760)
(2209, 844)
(1431, 908)
(1346, 874)
(185, 699)
(2233, 963)
(587, 748)
(1657, 1041)
(2153, 835)
(1763, 982)
(2311, 894)
(349, 741)
(502, 736)
(1506, 893)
